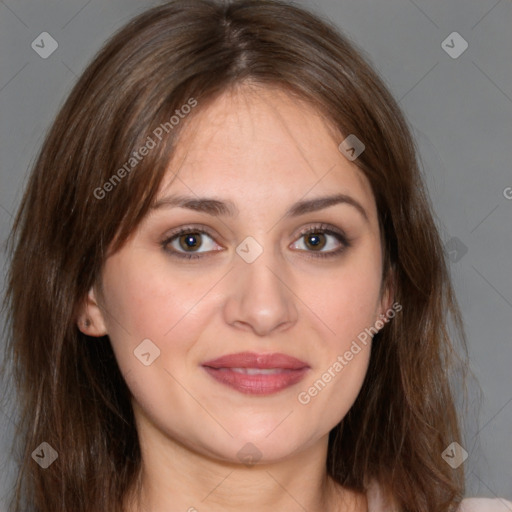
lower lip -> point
(257, 384)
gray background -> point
(461, 113)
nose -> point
(259, 298)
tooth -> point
(257, 371)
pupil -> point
(191, 240)
(314, 236)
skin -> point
(263, 150)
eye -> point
(186, 240)
(316, 238)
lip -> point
(240, 372)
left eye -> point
(318, 239)
(186, 242)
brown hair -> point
(71, 393)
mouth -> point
(257, 374)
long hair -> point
(78, 202)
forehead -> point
(261, 142)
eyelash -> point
(319, 229)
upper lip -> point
(253, 360)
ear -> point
(90, 319)
(387, 294)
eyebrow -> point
(218, 208)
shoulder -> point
(485, 505)
(377, 502)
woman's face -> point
(256, 285)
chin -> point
(249, 449)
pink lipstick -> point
(257, 374)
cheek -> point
(345, 384)
(349, 308)
(347, 300)
(334, 385)
(146, 300)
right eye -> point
(178, 243)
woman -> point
(227, 290)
